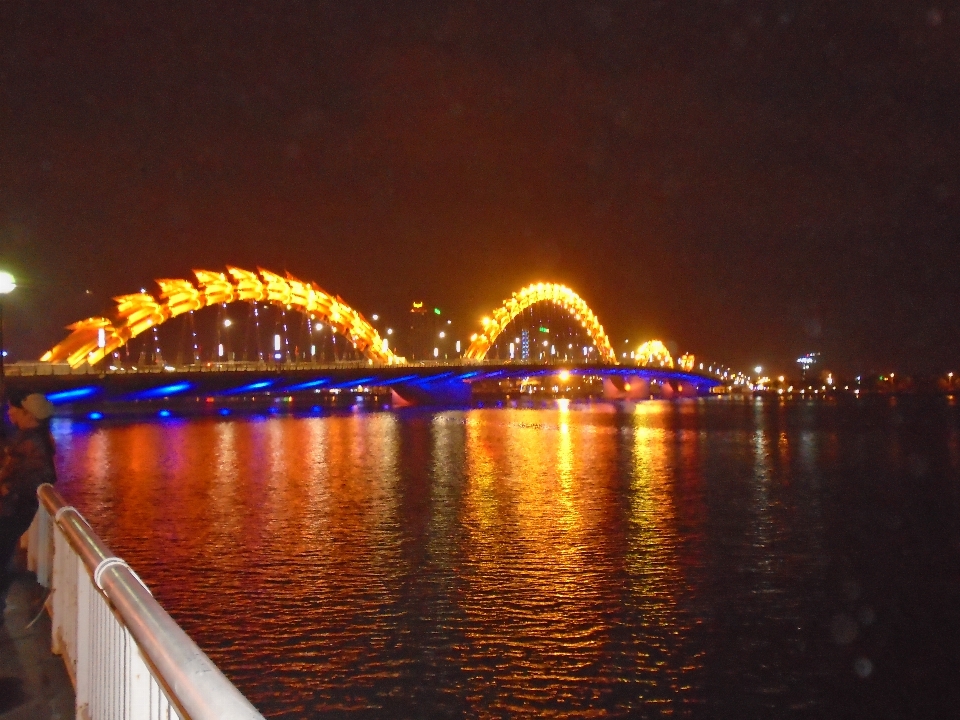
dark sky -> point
(750, 180)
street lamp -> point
(7, 284)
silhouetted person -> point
(27, 463)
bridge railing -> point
(42, 369)
(125, 655)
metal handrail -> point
(195, 684)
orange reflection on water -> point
(530, 557)
(535, 561)
(582, 560)
(653, 557)
(317, 502)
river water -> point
(713, 558)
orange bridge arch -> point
(95, 338)
(559, 295)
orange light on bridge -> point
(95, 338)
(654, 353)
(559, 296)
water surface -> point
(699, 558)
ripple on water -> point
(686, 559)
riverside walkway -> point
(34, 684)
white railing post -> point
(80, 653)
(141, 683)
(43, 556)
(64, 605)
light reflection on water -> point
(631, 560)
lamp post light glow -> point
(7, 284)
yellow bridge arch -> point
(91, 340)
(559, 295)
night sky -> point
(748, 180)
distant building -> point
(808, 364)
(423, 335)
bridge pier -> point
(678, 389)
(637, 388)
(397, 400)
(611, 390)
(437, 392)
(630, 387)
(687, 389)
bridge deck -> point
(34, 684)
(253, 379)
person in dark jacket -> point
(27, 463)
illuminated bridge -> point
(265, 334)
